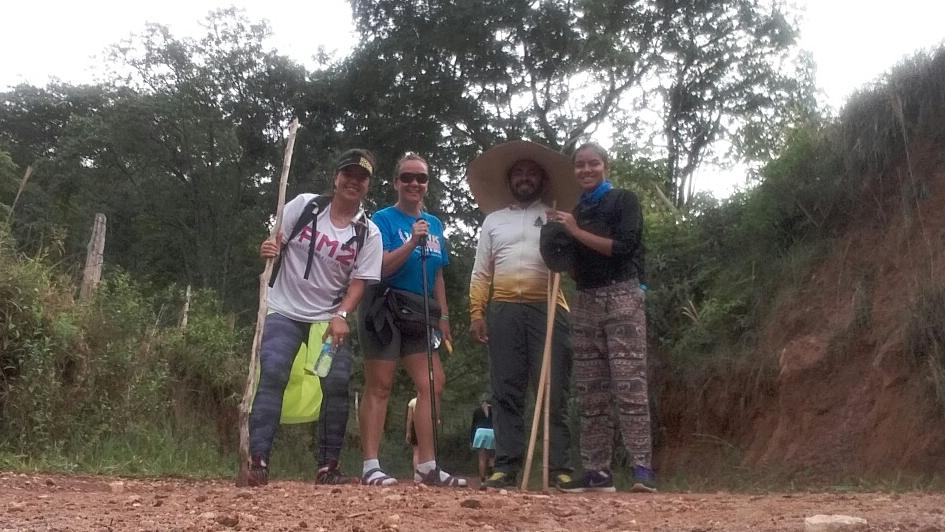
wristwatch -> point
(343, 314)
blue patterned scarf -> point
(593, 197)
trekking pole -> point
(242, 478)
(426, 317)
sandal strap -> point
(377, 481)
(454, 482)
(429, 478)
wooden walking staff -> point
(246, 404)
(549, 336)
(543, 395)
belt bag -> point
(407, 309)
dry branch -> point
(250, 389)
(26, 178)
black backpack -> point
(309, 216)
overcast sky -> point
(852, 41)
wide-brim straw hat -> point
(487, 176)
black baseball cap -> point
(557, 247)
(356, 157)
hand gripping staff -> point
(246, 404)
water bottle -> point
(323, 364)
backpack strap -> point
(321, 204)
(308, 216)
(360, 233)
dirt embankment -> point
(833, 388)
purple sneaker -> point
(644, 480)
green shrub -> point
(80, 379)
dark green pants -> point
(516, 342)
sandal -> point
(378, 480)
(430, 479)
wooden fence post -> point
(186, 311)
(92, 273)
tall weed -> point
(925, 337)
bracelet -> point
(445, 317)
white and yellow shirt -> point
(508, 260)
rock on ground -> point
(833, 523)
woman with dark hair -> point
(608, 324)
(314, 287)
(410, 237)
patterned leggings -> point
(281, 339)
(609, 342)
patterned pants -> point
(281, 339)
(609, 342)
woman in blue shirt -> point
(406, 230)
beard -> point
(526, 195)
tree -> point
(727, 71)
(553, 71)
(177, 149)
(196, 132)
(549, 70)
(451, 79)
(8, 184)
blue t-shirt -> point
(396, 228)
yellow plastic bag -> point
(302, 400)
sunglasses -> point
(421, 179)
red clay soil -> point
(851, 398)
(55, 502)
(832, 387)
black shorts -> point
(400, 345)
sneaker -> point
(500, 480)
(331, 475)
(592, 481)
(560, 479)
(258, 472)
(644, 480)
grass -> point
(140, 451)
(159, 453)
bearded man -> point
(512, 321)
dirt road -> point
(56, 502)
